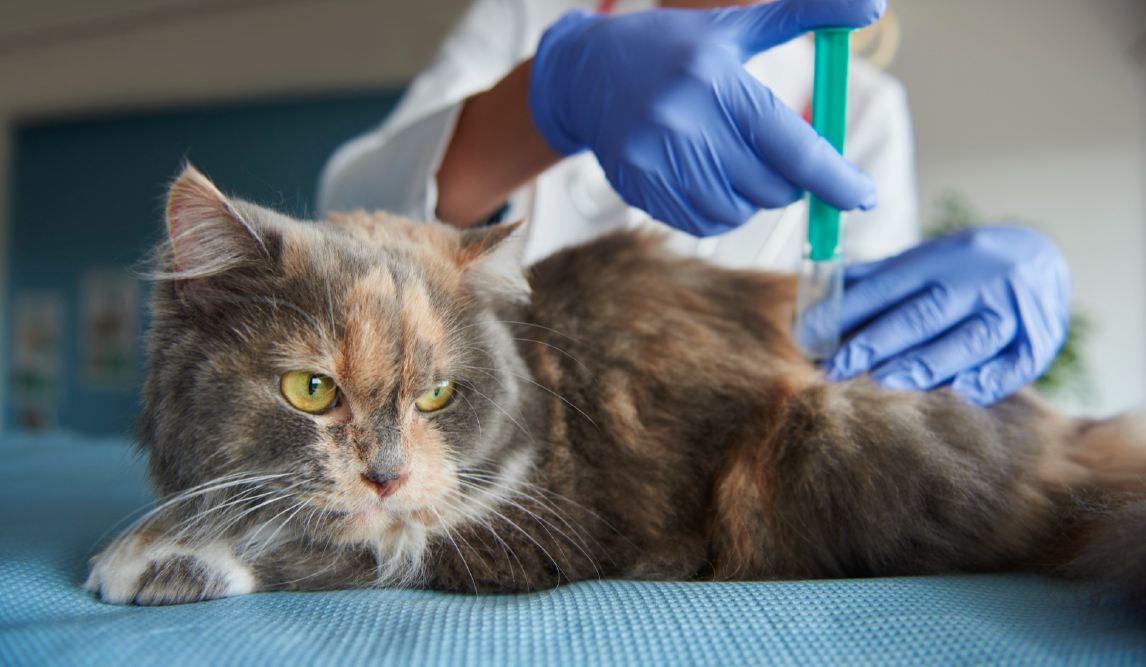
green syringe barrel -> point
(829, 118)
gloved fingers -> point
(761, 187)
(708, 177)
(662, 200)
(918, 319)
(717, 181)
(969, 344)
(760, 27)
(854, 273)
(787, 145)
(999, 378)
(887, 283)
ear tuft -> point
(208, 236)
(493, 258)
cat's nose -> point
(385, 483)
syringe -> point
(821, 282)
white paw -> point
(143, 569)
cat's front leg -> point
(148, 568)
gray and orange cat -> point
(372, 402)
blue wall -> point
(89, 194)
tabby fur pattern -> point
(620, 412)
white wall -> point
(73, 57)
(1033, 109)
(1090, 201)
(109, 54)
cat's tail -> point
(1111, 551)
(1114, 554)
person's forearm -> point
(494, 151)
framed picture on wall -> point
(38, 358)
(109, 321)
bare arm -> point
(495, 150)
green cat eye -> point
(436, 398)
(307, 391)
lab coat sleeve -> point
(394, 167)
(880, 142)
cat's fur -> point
(621, 412)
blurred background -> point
(1026, 110)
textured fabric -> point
(57, 498)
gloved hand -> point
(680, 128)
(986, 309)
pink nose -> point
(385, 483)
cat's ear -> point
(493, 259)
(208, 236)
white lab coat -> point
(394, 167)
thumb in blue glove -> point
(984, 309)
(680, 128)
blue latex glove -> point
(985, 309)
(680, 128)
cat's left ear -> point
(208, 236)
(493, 259)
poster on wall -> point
(38, 358)
(109, 321)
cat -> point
(368, 401)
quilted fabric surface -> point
(59, 497)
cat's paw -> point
(142, 569)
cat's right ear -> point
(493, 259)
(208, 236)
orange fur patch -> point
(422, 329)
(366, 359)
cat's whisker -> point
(476, 417)
(217, 484)
(540, 520)
(329, 566)
(543, 503)
(251, 536)
(315, 510)
(547, 525)
(281, 494)
(506, 520)
(479, 521)
(276, 301)
(524, 532)
(551, 505)
(473, 520)
(538, 384)
(145, 512)
(562, 498)
(530, 324)
(222, 529)
(496, 379)
(185, 525)
(222, 482)
(575, 359)
(476, 348)
(270, 541)
(330, 305)
(495, 404)
(461, 556)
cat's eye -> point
(436, 398)
(307, 391)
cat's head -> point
(354, 370)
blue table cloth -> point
(61, 496)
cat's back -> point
(627, 289)
(645, 351)
(654, 368)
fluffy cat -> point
(373, 402)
